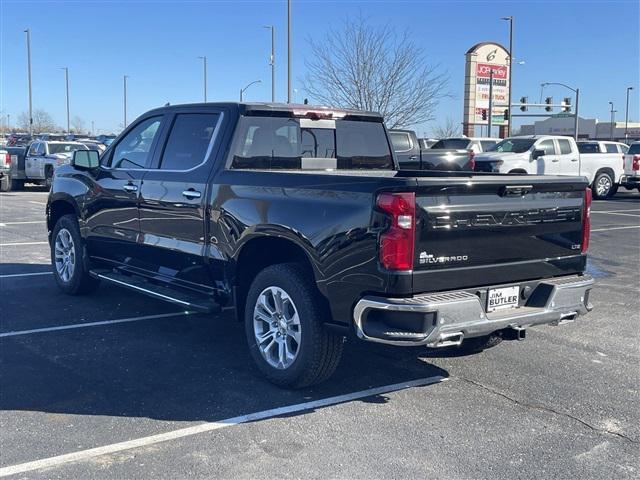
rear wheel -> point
(602, 186)
(5, 184)
(67, 258)
(48, 177)
(284, 327)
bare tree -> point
(369, 67)
(78, 125)
(447, 130)
(42, 121)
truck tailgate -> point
(497, 230)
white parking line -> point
(211, 426)
(614, 228)
(22, 243)
(37, 203)
(4, 224)
(637, 215)
(13, 275)
(616, 211)
(17, 333)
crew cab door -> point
(568, 157)
(548, 163)
(407, 150)
(112, 213)
(34, 160)
(173, 200)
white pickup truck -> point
(554, 155)
(631, 177)
(43, 158)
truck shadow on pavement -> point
(184, 368)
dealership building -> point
(588, 128)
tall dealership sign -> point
(480, 61)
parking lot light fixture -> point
(613, 119)
(125, 99)
(28, 32)
(242, 90)
(204, 72)
(626, 115)
(576, 114)
(272, 61)
(510, 20)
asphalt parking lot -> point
(115, 385)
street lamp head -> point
(506, 18)
(629, 88)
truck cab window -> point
(548, 147)
(400, 141)
(565, 146)
(189, 140)
(133, 151)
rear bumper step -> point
(446, 318)
(189, 301)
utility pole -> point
(289, 86)
(490, 117)
(28, 32)
(272, 61)
(204, 66)
(626, 115)
(93, 129)
(66, 80)
(613, 116)
(510, 20)
(125, 99)
(577, 117)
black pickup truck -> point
(298, 218)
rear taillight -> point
(472, 160)
(5, 159)
(586, 220)
(397, 243)
(635, 163)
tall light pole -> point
(204, 72)
(613, 117)
(242, 90)
(626, 115)
(510, 20)
(28, 32)
(289, 86)
(125, 99)
(272, 61)
(574, 90)
(66, 81)
(93, 128)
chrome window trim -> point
(214, 135)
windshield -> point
(514, 145)
(293, 143)
(65, 147)
(451, 144)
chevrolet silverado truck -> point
(41, 160)
(298, 219)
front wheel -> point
(67, 258)
(602, 186)
(48, 178)
(284, 326)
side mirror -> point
(85, 159)
(537, 154)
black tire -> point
(17, 184)
(604, 179)
(48, 177)
(614, 190)
(319, 351)
(518, 172)
(79, 282)
(5, 184)
(478, 344)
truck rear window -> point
(451, 144)
(634, 149)
(588, 148)
(278, 143)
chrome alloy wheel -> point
(276, 326)
(65, 255)
(603, 186)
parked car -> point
(10, 163)
(93, 145)
(41, 160)
(51, 137)
(18, 140)
(446, 154)
(553, 155)
(426, 143)
(593, 146)
(631, 176)
(298, 219)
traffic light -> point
(566, 104)
(549, 102)
(523, 106)
(484, 113)
(506, 114)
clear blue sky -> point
(593, 45)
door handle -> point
(191, 194)
(555, 160)
(130, 188)
(574, 159)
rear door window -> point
(611, 148)
(401, 141)
(189, 141)
(565, 146)
(588, 148)
(487, 145)
(274, 143)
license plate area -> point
(502, 298)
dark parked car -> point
(298, 219)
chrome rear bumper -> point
(446, 318)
